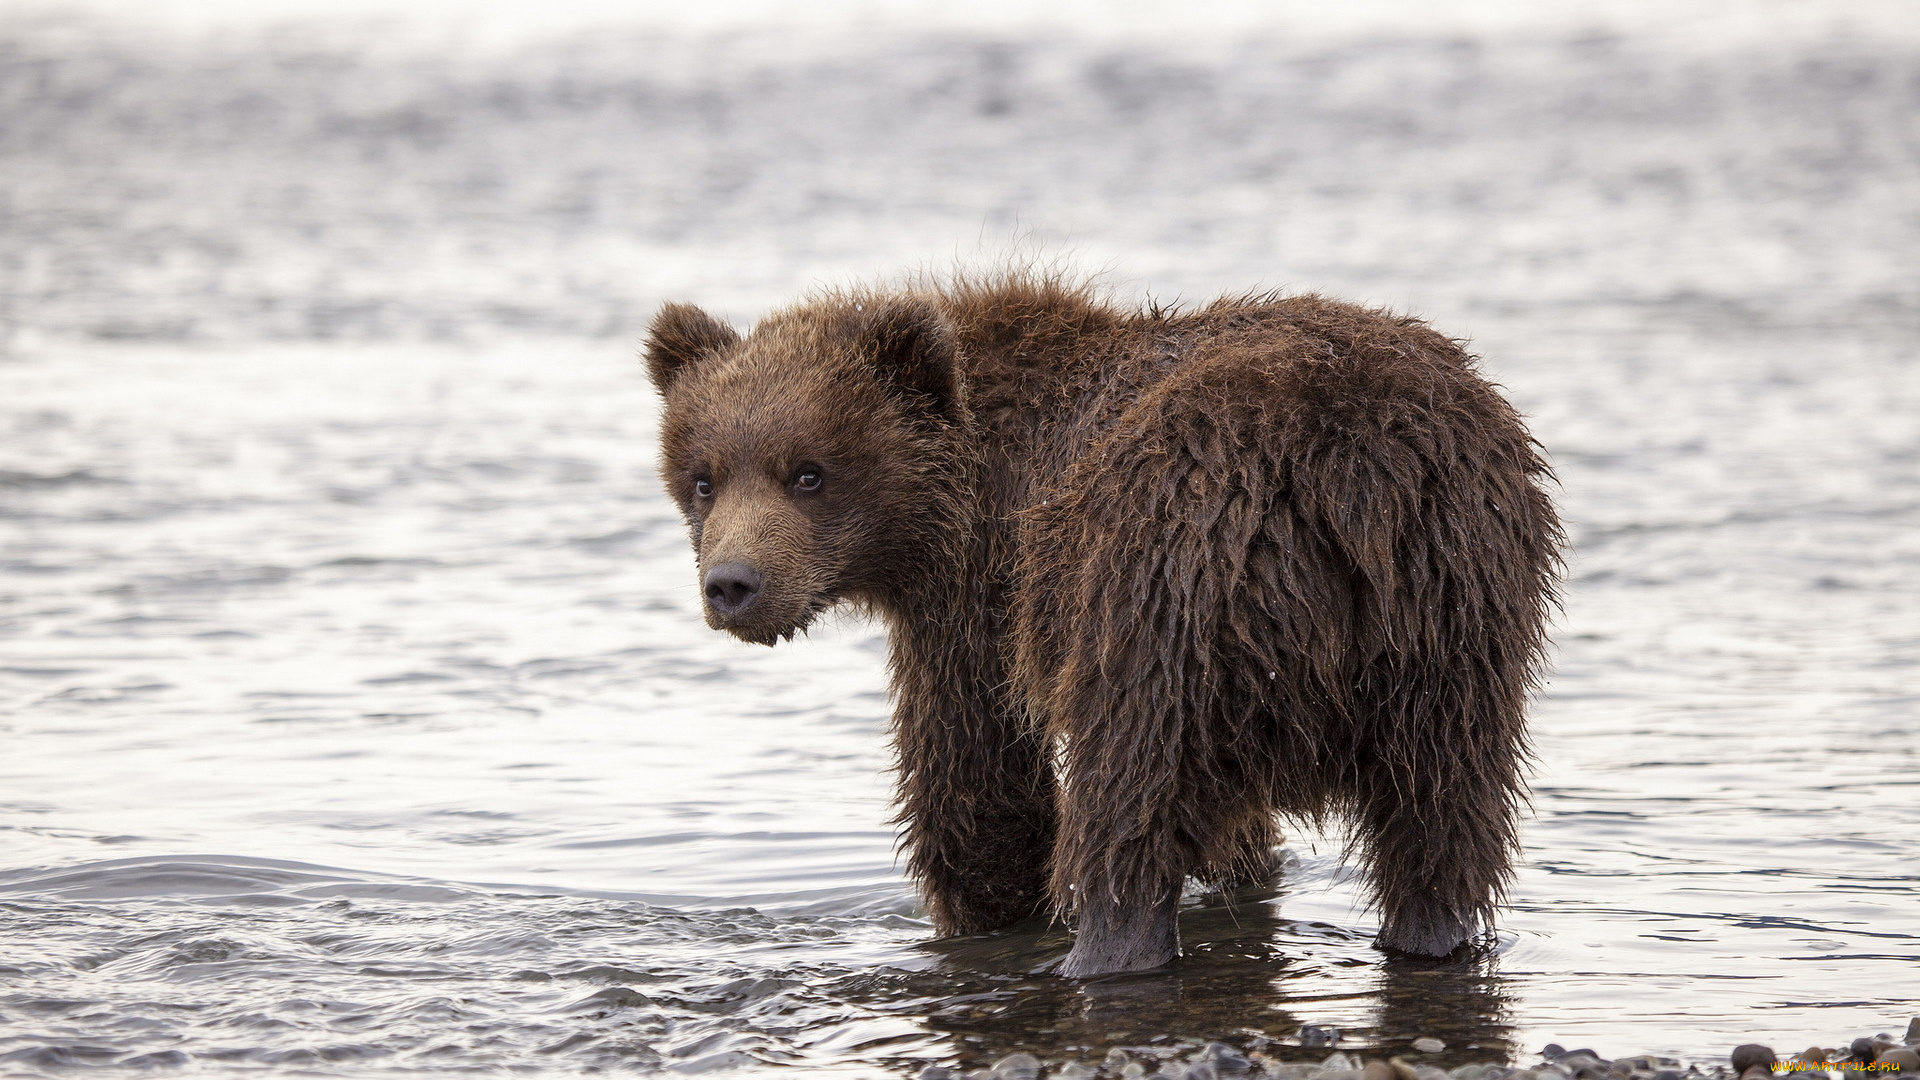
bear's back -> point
(1051, 369)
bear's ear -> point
(914, 351)
(680, 335)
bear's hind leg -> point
(1439, 846)
(1166, 764)
(1112, 935)
(1153, 792)
(1249, 859)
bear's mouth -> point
(758, 636)
(771, 632)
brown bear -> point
(1151, 578)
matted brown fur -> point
(1275, 556)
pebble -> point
(1750, 1055)
(1076, 1070)
(1016, 1067)
(1903, 1060)
(1375, 1069)
(1319, 1035)
(1222, 1057)
(1580, 1064)
(1427, 1044)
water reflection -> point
(1248, 975)
(1465, 1004)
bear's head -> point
(815, 459)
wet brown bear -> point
(1280, 555)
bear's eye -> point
(807, 479)
(703, 488)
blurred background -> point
(359, 715)
(222, 171)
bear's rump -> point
(1275, 546)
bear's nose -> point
(732, 587)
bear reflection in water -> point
(1246, 972)
(1151, 579)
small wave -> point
(206, 877)
(28, 481)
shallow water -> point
(359, 717)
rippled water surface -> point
(358, 716)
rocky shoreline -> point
(1870, 1056)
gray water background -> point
(356, 711)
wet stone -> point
(1375, 1069)
(1426, 1044)
(1320, 1035)
(1749, 1055)
(1223, 1057)
(1901, 1059)
(1016, 1067)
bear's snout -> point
(732, 587)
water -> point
(358, 715)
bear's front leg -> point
(976, 788)
(979, 851)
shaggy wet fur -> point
(1276, 556)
